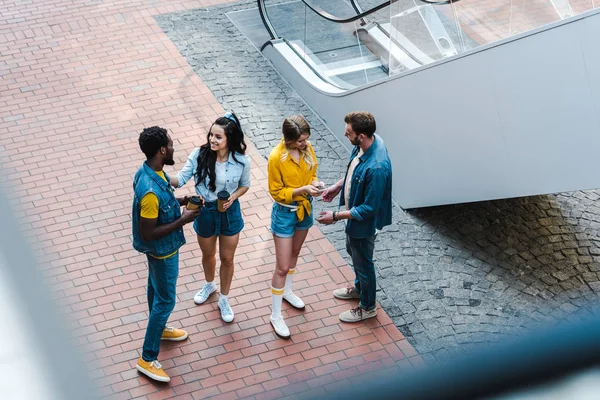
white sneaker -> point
(280, 327)
(202, 295)
(357, 314)
(294, 300)
(226, 311)
(346, 293)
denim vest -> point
(147, 181)
(370, 199)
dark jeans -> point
(361, 252)
(162, 280)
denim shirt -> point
(147, 181)
(370, 199)
(237, 174)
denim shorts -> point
(211, 222)
(284, 221)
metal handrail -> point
(314, 71)
(329, 17)
(356, 7)
(262, 9)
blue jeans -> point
(162, 280)
(361, 252)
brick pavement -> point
(79, 79)
(452, 278)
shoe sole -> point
(178, 339)
(345, 297)
(277, 333)
(152, 376)
(297, 308)
(358, 320)
(202, 302)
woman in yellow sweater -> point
(292, 184)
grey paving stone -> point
(452, 278)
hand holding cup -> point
(223, 200)
(189, 215)
(194, 203)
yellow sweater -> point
(287, 175)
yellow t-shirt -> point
(287, 175)
(149, 210)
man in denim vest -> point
(367, 196)
(157, 224)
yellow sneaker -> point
(173, 334)
(152, 369)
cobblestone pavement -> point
(453, 277)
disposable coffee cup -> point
(193, 203)
(222, 198)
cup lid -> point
(223, 195)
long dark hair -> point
(208, 158)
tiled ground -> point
(452, 278)
(79, 80)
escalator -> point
(476, 99)
(348, 47)
(355, 47)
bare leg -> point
(227, 246)
(208, 246)
(297, 242)
(283, 257)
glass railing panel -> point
(381, 16)
(421, 34)
(288, 19)
(337, 8)
(532, 14)
(336, 50)
(486, 21)
(581, 6)
(367, 4)
(404, 35)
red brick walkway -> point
(79, 79)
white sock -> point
(223, 296)
(211, 284)
(276, 299)
(289, 280)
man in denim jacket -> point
(157, 224)
(367, 197)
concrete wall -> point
(518, 118)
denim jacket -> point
(147, 181)
(370, 199)
(237, 174)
